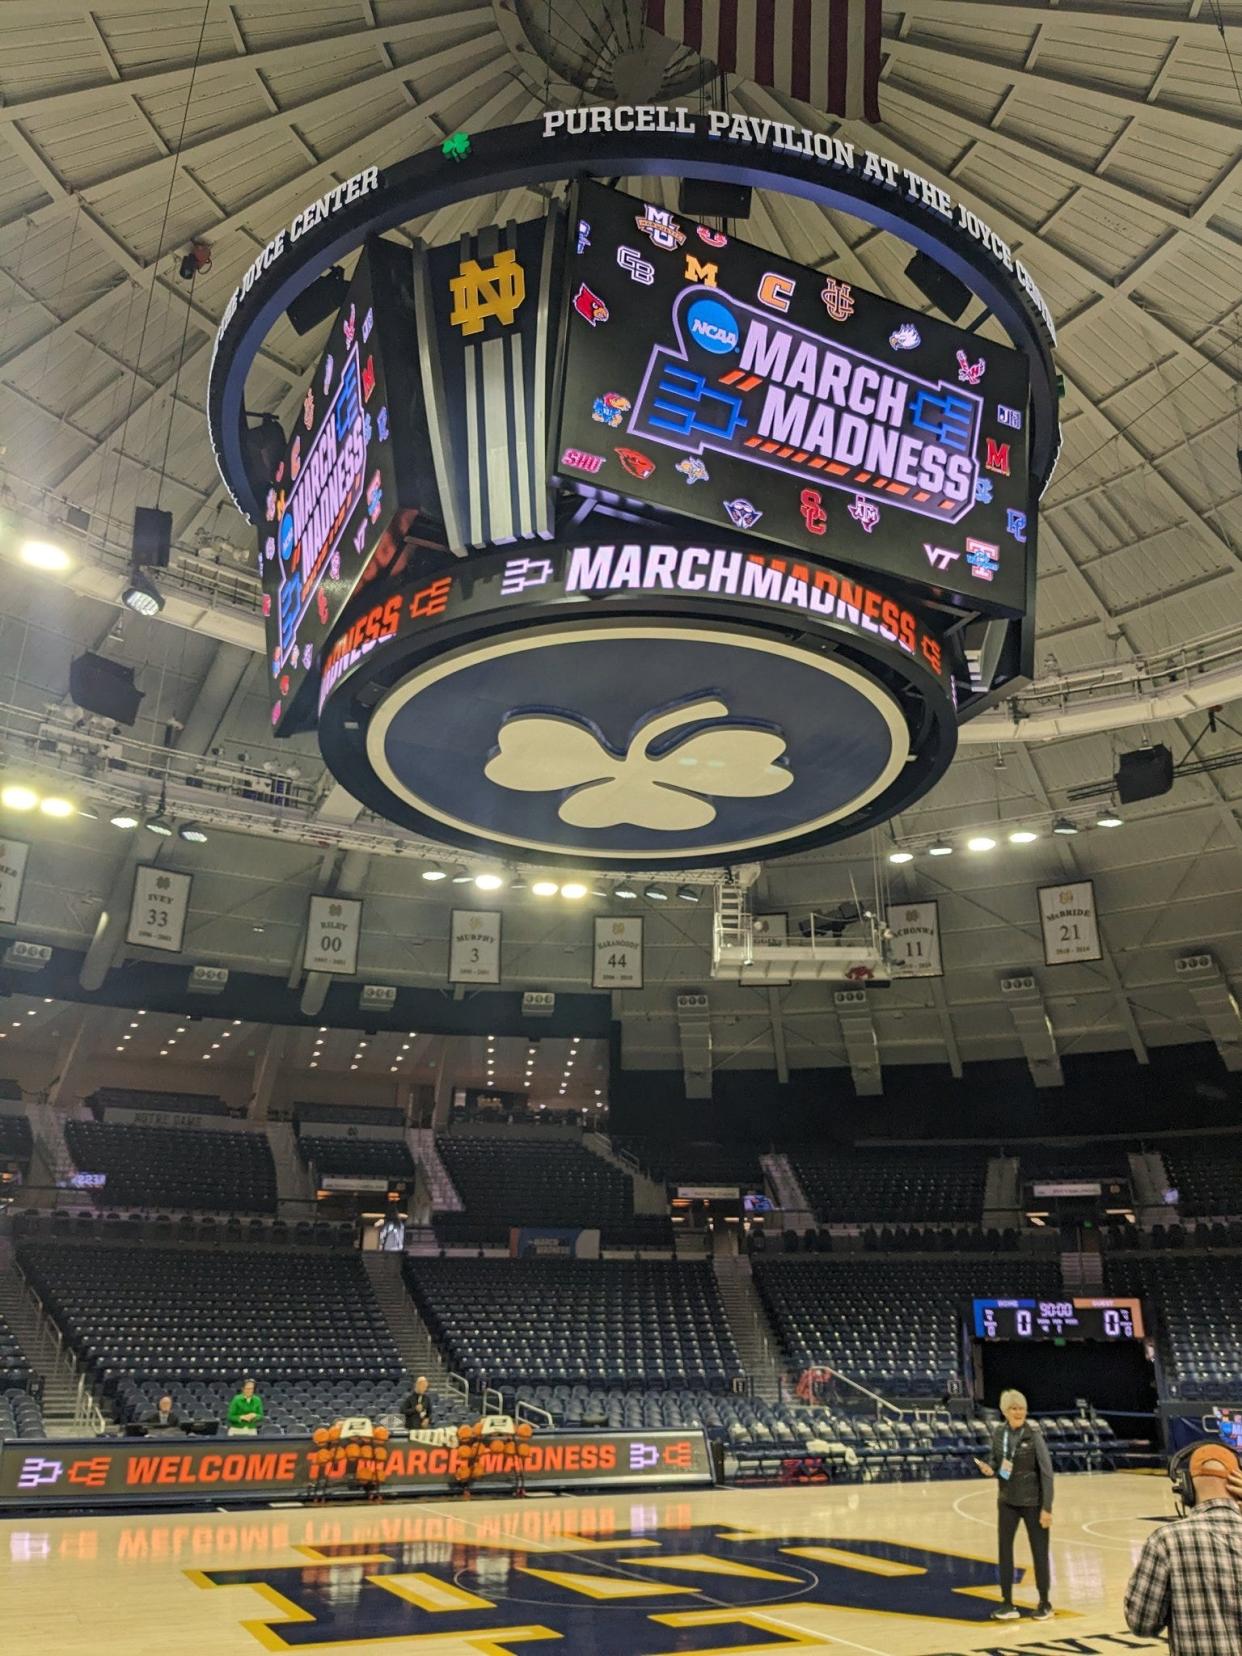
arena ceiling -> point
(1103, 138)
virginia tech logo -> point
(478, 293)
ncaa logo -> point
(713, 326)
(286, 537)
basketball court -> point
(886, 1569)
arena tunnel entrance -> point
(1117, 1379)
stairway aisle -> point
(752, 1332)
(49, 1361)
(418, 1351)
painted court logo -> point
(730, 1591)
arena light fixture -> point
(16, 797)
(1108, 818)
(435, 872)
(941, 848)
(901, 856)
(1023, 836)
(124, 819)
(687, 894)
(55, 806)
(489, 880)
(517, 883)
(46, 556)
(142, 595)
(159, 825)
(544, 888)
(193, 832)
(625, 891)
(1063, 825)
(981, 842)
(653, 894)
(573, 889)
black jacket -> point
(1031, 1481)
(417, 1412)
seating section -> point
(16, 1140)
(144, 1318)
(350, 1115)
(1192, 1302)
(20, 1415)
(92, 1224)
(168, 1103)
(604, 1322)
(380, 1158)
(514, 1181)
(895, 1325)
(1207, 1176)
(14, 1367)
(1109, 1163)
(695, 1164)
(893, 1186)
(177, 1167)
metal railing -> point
(522, 1410)
(880, 1404)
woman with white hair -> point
(1020, 1463)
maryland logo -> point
(694, 1589)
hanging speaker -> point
(152, 537)
(105, 687)
(1144, 773)
(934, 282)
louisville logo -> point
(664, 780)
(590, 306)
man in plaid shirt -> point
(1188, 1581)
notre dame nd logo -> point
(479, 293)
(647, 1595)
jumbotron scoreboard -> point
(710, 379)
(1063, 1319)
(613, 539)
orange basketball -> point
(525, 1429)
(464, 1433)
(351, 1451)
(525, 1449)
(320, 1434)
(380, 1434)
(334, 1433)
(381, 1452)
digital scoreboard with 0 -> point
(1064, 1319)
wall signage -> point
(617, 956)
(1070, 926)
(158, 909)
(13, 854)
(914, 948)
(474, 946)
(333, 929)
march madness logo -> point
(720, 1591)
(738, 381)
(328, 488)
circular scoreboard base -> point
(627, 729)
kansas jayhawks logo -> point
(693, 1589)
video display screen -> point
(704, 376)
(336, 496)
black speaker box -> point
(104, 687)
(949, 296)
(152, 536)
(316, 303)
(704, 198)
(1144, 773)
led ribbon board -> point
(639, 703)
(706, 377)
(629, 141)
(348, 483)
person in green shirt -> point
(245, 1411)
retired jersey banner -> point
(1071, 930)
(333, 927)
(914, 948)
(158, 908)
(474, 950)
(13, 854)
(617, 959)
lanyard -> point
(1018, 1443)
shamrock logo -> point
(674, 762)
(456, 146)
